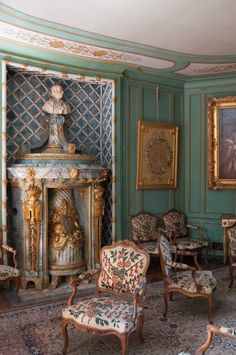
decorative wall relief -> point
(157, 155)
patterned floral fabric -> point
(232, 241)
(150, 247)
(123, 269)
(166, 252)
(228, 331)
(173, 264)
(184, 252)
(184, 280)
(8, 271)
(144, 228)
(103, 313)
(175, 224)
(188, 243)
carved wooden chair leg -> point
(165, 303)
(18, 283)
(207, 343)
(140, 328)
(196, 262)
(209, 308)
(124, 343)
(64, 325)
(171, 296)
(231, 275)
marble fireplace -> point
(59, 171)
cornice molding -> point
(17, 27)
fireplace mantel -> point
(31, 186)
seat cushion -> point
(103, 313)
(8, 271)
(189, 243)
(184, 281)
(150, 247)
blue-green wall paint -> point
(141, 103)
(204, 206)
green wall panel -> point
(149, 104)
(158, 202)
(165, 108)
(204, 206)
(194, 142)
(142, 103)
(218, 202)
(179, 120)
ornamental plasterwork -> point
(207, 68)
(80, 49)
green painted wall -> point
(141, 103)
(204, 206)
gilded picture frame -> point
(222, 143)
(157, 155)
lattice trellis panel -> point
(88, 125)
(107, 160)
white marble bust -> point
(56, 105)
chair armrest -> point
(87, 275)
(139, 291)
(185, 267)
(180, 266)
(141, 286)
(168, 233)
(201, 231)
(6, 248)
(191, 226)
(182, 252)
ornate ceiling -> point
(181, 38)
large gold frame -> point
(221, 147)
(157, 155)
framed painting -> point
(222, 143)
(157, 155)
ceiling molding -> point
(54, 37)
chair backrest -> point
(175, 223)
(232, 241)
(165, 253)
(123, 266)
(144, 227)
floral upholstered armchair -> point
(211, 330)
(8, 273)
(179, 277)
(119, 311)
(231, 243)
(177, 230)
(144, 231)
